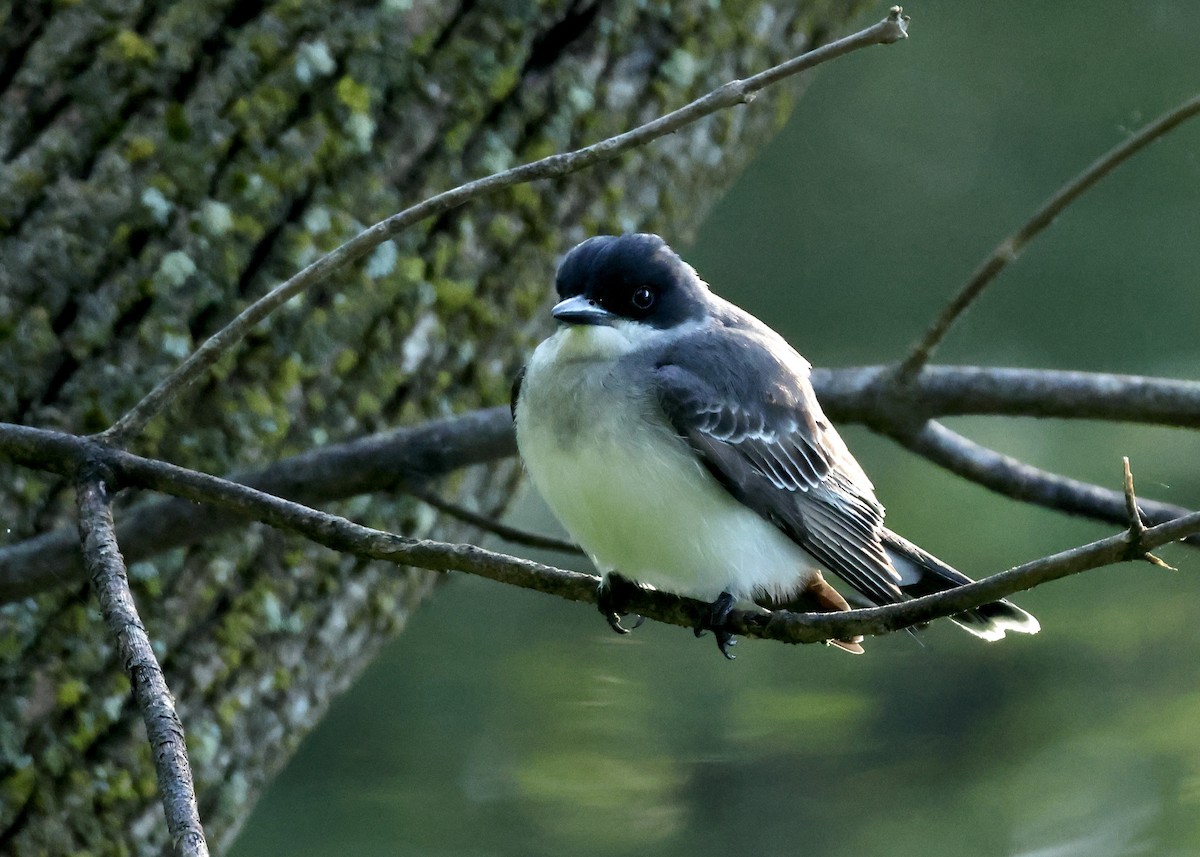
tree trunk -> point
(165, 163)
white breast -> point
(629, 490)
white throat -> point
(599, 342)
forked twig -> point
(1137, 526)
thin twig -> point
(882, 620)
(1011, 247)
(891, 29)
(1137, 526)
(513, 535)
(163, 728)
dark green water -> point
(508, 723)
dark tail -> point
(922, 573)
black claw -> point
(611, 599)
(724, 641)
(614, 622)
(716, 620)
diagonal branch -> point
(1011, 247)
(893, 28)
(342, 535)
(163, 728)
(374, 463)
(1122, 547)
(1014, 478)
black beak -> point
(580, 310)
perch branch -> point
(1011, 247)
(1121, 547)
(891, 29)
(342, 535)
(106, 568)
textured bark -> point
(161, 164)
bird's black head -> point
(636, 277)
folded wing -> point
(762, 434)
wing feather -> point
(773, 450)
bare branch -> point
(343, 535)
(374, 463)
(881, 620)
(893, 28)
(1011, 247)
(340, 534)
(163, 728)
(68, 452)
(865, 394)
(1014, 478)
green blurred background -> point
(508, 723)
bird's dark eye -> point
(643, 298)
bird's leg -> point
(716, 620)
(612, 598)
(832, 601)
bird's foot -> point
(716, 619)
(612, 598)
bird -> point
(680, 443)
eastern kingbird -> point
(679, 441)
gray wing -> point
(763, 435)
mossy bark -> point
(161, 165)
